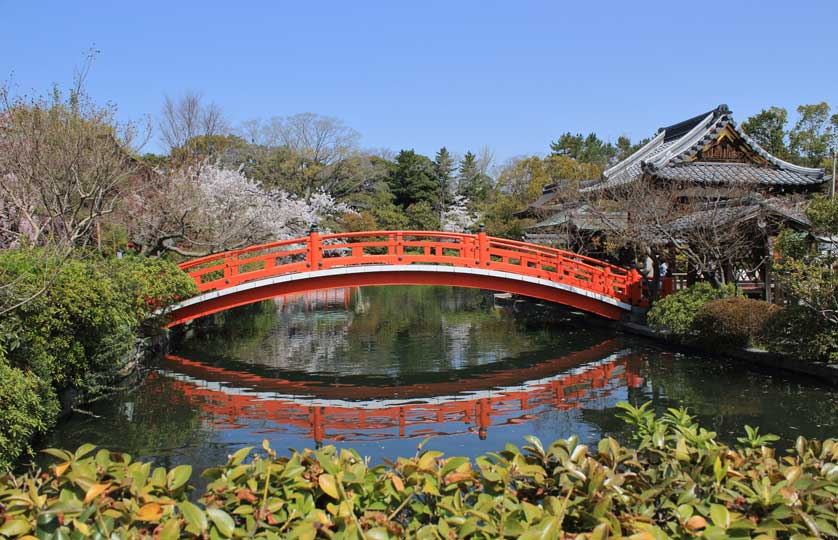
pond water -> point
(381, 369)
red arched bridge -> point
(317, 262)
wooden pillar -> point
(314, 253)
(769, 259)
(483, 258)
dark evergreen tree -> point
(625, 147)
(444, 167)
(412, 179)
(473, 183)
(585, 148)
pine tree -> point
(413, 179)
(444, 166)
(587, 149)
(473, 184)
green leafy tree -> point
(206, 147)
(809, 328)
(421, 217)
(522, 179)
(812, 134)
(271, 166)
(412, 179)
(387, 214)
(768, 129)
(677, 312)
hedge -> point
(674, 481)
(732, 322)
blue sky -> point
(464, 74)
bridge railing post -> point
(635, 286)
(399, 247)
(483, 257)
(229, 269)
(314, 252)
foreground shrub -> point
(675, 482)
(732, 322)
(676, 313)
(28, 406)
(77, 333)
(800, 332)
(150, 284)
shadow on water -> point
(380, 369)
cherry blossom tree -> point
(208, 209)
(63, 161)
(457, 218)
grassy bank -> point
(72, 334)
(674, 481)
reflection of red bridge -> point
(504, 397)
(357, 259)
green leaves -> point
(678, 485)
(720, 516)
(15, 527)
(754, 440)
(76, 334)
(329, 485)
(222, 520)
(195, 518)
(178, 477)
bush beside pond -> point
(77, 334)
(798, 331)
(677, 312)
(718, 319)
(674, 481)
(732, 322)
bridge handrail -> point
(259, 247)
(563, 253)
(393, 247)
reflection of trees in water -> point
(154, 420)
(386, 331)
(724, 395)
(229, 333)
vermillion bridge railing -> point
(394, 248)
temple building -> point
(710, 169)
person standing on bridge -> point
(649, 273)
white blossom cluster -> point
(209, 209)
(236, 205)
(457, 218)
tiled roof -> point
(734, 173)
(737, 211)
(669, 155)
(546, 197)
(583, 218)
